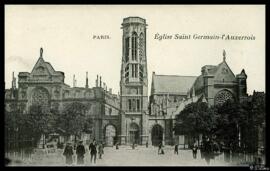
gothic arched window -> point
(134, 46)
(127, 48)
(223, 96)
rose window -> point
(40, 97)
(223, 96)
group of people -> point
(94, 148)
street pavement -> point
(126, 156)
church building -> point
(129, 117)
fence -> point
(19, 149)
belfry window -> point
(138, 105)
(129, 104)
(133, 105)
(134, 68)
(134, 46)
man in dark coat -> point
(93, 151)
(68, 152)
(176, 149)
(194, 151)
(80, 151)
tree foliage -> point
(225, 121)
(73, 119)
(195, 119)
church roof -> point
(172, 84)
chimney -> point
(13, 81)
(86, 85)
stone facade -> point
(45, 86)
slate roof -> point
(172, 84)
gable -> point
(40, 70)
(224, 73)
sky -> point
(65, 33)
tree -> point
(228, 122)
(196, 118)
(255, 122)
(73, 119)
(18, 134)
(41, 121)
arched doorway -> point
(157, 134)
(134, 133)
(110, 135)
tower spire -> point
(13, 81)
(86, 85)
(224, 55)
(74, 81)
(97, 81)
(100, 82)
(41, 52)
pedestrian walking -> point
(159, 147)
(80, 151)
(176, 149)
(116, 146)
(100, 150)
(93, 151)
(194, 151)
(133, 145)
(162, 151)
(146, 144)
(68, 152)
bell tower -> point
(134, 83)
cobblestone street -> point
(126, 156)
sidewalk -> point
(126, 156)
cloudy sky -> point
(66, 35)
